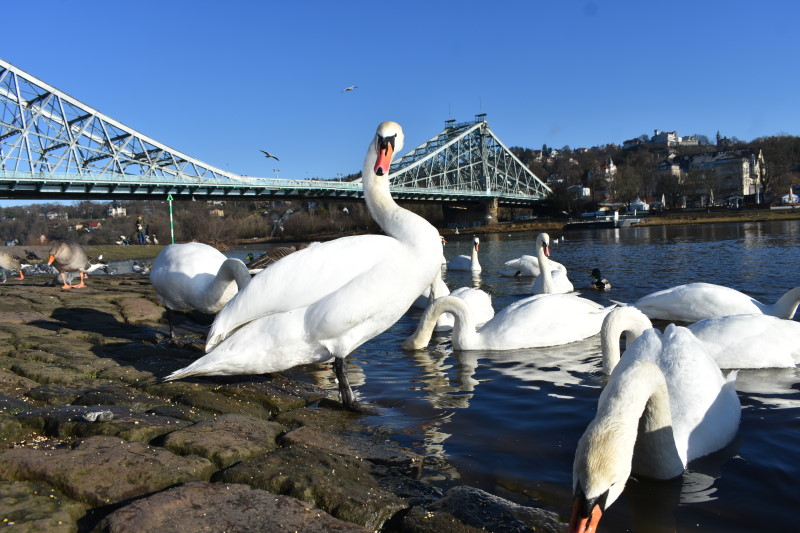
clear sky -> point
(221, 80)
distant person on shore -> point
(140, 230)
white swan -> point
(550, 281)
(665, 404)
(696, 301)
(733, 341)
(467, 262)
(325, 301)
(479, 302)
(536, 321)
(599, 283)
(196, 276)
(527, 266)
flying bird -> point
(349, 88)
(268, 155)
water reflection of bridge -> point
(53, 146)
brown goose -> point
(11, 262)
(70, 257)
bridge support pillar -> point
(490, 211)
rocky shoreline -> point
(92, 440)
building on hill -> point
(116, 210)
(713, 178)
(671, 138)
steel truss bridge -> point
(53, 146)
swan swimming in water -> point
(527, 266)
(325, 301)
(196, 276)
(665, 404)
(696, 301)
(467, 262)
(550, 281)
(536, 321)
(733, 341)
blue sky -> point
(222, 80)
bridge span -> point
(53, 146)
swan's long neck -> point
(475, 265)
(623, 320)
(231, 270)
(631, 431)
(545, 269)
(786, 306)
(463, 328)
(395, 221)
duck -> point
(549, 281)
(665, 404)
(321, 303)
(598, 281)
(527, 266)
(696, 301)
(733, 341)
(71, 257)
(13, 263)
(467, 262)
(194, 276)
(537, 321)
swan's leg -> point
(346, 393)
(171, 321)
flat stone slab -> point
(226, 439)
(33, 507)
(199, 506)
(102, 470)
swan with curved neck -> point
(527, 266)
(550, 281)
(734, 341)
(464, 262)
(196, 276)
(326, 300)
(536, 321)
(665, 404)
(697, 301)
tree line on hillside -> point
(635, 176)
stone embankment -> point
(92, 440)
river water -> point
(508, 422)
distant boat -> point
(603, 222)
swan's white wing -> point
(479, 301)
(182, 273)
(750, 341)
(696, 301)
(302, 279)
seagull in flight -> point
(350, 88)
(268, 155)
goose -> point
(195, 276)
(13, 263)
(598, 281)
(467, 262)
(323, 302)
(549, 281)
(527, 266)
(697, 301)
(536, 321)
(733, 341)
(71, 257)
(665, 404)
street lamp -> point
(277, 171)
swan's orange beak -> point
(385, 152)
(50, 261)
(546, 249)
(580, 524)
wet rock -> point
(135, 310)
(10, 430)
(67, 422)
(15, 386)
(198, 506)
(225, 440)
(207, 397)
(339, 484)
(469, 509)
(276, 395)
(42, 372)
(103, 470)
(33, 507)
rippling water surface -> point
(508, 422)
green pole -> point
(171, 225)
